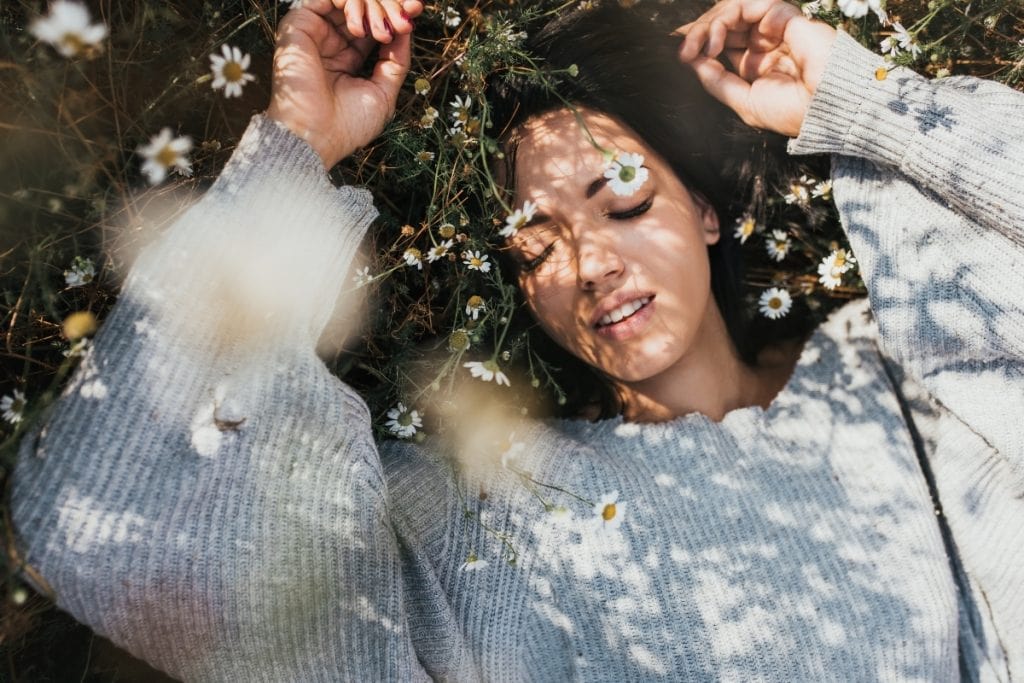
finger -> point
(394, 13)
(355, 18)
(380, 26)
(694, 42)
(392, 66)
(716, 38)
(351, 59)
(413, 8)
(723, 85)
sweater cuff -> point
(855, 114)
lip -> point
(610, 303)
(629, 327)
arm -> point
(205, 493)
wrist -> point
(326, 147)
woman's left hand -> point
(777, 53)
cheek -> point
(551, 304)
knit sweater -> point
(208, 496)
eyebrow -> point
(592, 189)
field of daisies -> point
(115, 116)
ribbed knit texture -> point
(208, 496)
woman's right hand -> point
(778, 56)
(321, 46)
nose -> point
(597, 265)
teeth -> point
(623, 311)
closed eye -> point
(532, 264)
(634, 212)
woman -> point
(207, 495)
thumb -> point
(392, 66)
(723, 85)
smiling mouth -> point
(623, 312)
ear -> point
(708, 218)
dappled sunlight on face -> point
(620, 281)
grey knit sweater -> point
(209, 497)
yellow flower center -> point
(608, 513)
(73, 42)
(475, 301)
(627, 173)
(233, 72)
(458, 341)
(475, 262)
(775, 302)
(447, 231)
(747, 227)
(167, 157)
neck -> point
(710, 379)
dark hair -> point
(626, 65)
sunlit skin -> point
(588, 250)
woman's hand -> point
(777, 53)
(316, 92)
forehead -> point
(555, 151)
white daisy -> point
(855, 9)
(798, 192)
(413, 257)
(363, 277)
(452, 17)
(822, 189)
(430, 115)
(745, 227)
(403, 422)
(626, 173)
(473, 563)
(82, 272)
(608, 512)
(775, 303)
(778, 244)
(475, 261)
(460, 110)
(424, 156)
(439, 251)
(487, 371)
(165, 153)
(475, 305)
(229, 71)
(832, 267)
(13, 407)
(900, 41)
(68, 28)
(518, 218)
(811, 9)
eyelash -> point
(642, 208)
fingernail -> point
(405, 15)
(387, 25)
(366, 25)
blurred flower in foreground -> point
(833, 266)
(13, 407)
(362, 277)
(775, 303)
(473, 563)
(403, 422)
(608, 512)
(165, 153)
(67, 27)
(82, 272)
(626, 173)
(487, 371)
(229, 71)
(79, 324)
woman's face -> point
(590, 257)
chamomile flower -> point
(82, 272)
(822, 189)
(363, 277)
(460, 110)
(452, 17)
(413, 257)
(518, 218)
(403, 422)
(811, 9)
(475, 305)
(229, 71)
(745, 227)
(424, 156)
(775, 303)
(626, 173)
(900, 41)
(487, 371)
(430, 115)
(165, 153)
(13, 407)
(439, 251)
(421, 86)
(778, 244)
(473, 563)
(856, 9)
(69, 29)
(608, 512)
(832, 267)
(474, 260)
(798, 192)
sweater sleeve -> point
(205, 493)
(928, 177)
